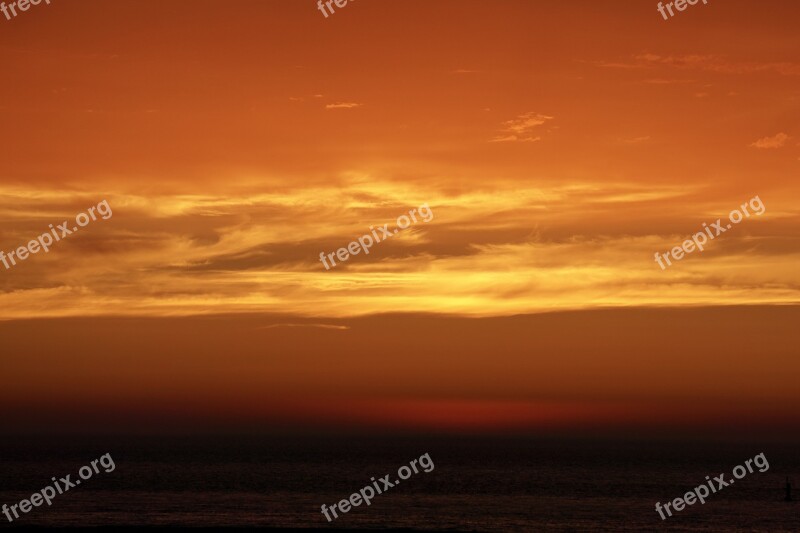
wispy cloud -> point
(560, 246)
(665, 81)
(323, 326)
(342, 105)
(776, 141)
(521, 128)
(706, 62)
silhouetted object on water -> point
(788, 497)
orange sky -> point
(559, 144)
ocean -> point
(478, 483)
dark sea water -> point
(478, 483)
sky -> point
(558, 145)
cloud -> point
(521, 128)
(342, 105)
(686, 61)
(666, 81)
(707, 62)
(323, 326)
(502, 248)
(776, 141)
(514, 138)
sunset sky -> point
(560, 145)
